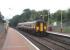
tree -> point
(30, 15)
(1, 16)
(57, 15)
(68, 15)
(45, 15)
(14, 21)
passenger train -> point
(35, 27)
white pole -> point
(61, 22)
(48, 18)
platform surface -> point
(16, 41)
(58, 33)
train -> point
(38, 27)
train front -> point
(41, 27)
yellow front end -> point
(41, 27)
(37, 28)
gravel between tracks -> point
(45, 44)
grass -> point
(65, 29)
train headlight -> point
(37, 28)
(45, 27)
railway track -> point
(65, 46)
(62, 39)
(47, 42)
(37, 43)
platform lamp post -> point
(61, 23)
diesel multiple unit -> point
(35, 27)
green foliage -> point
(2, 18)
(65, 15)
(68, 15)
(30, 15)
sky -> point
(10, 8)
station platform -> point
(61, 34)
(16, 41)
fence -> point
(65, 28)
(2, 34)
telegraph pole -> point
(61, 23)
(48, 20)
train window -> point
(41, 26)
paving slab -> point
(16, 41)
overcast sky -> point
(9, 8)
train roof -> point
(27, 22)
(30, 22)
